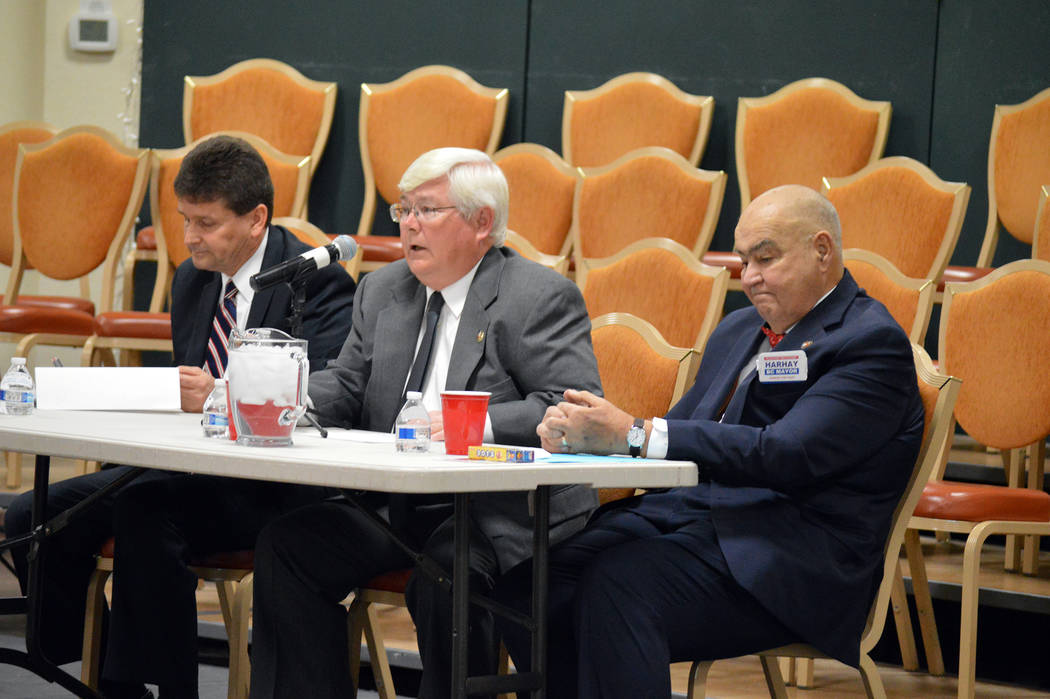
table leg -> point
(460, 595)
(540, 565)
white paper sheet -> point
(107, 388)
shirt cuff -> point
(657, 448)
(488, 437)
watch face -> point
(636, 436)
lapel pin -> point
(807, 343)
(481, 335)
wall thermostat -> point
(93, 28)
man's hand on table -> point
(194, 386)
(583, 422)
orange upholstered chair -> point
(632, 111)
(661, 282)
(805, 131)
(909, 300)
(993, 336)
(559, 263)
(426, 108)
(541, 191)
(312, 235)
(648, 193)
(1041, 239)
(897, 207)
(265, 97)
(162, 242)
(938, 394)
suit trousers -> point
(629, 596)
(308, 561)
(160, 521)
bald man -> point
(805, 423)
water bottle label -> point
(216, 420)
(406, 432)
(16, 396)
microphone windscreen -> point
(346, 246)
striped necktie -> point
(224, 320)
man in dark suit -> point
(162, 519)
(803, 451)
(508, 326)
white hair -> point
(474, 183)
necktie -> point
(774, 338)
(224, 320)
(419, 367)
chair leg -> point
(503, 667)
(788, 670)
(355, 623)
(362, 620)
(237, 632)
(14, 470)
(1013, 463)
(968, 610)
(902, 621)
(774, 680)
(91, 650)
(872, 680)
(698, 679)
(804, 673)
(920, 584)
(1036, 461)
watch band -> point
(636, 449)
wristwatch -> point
(636, 437)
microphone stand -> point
(297, 285)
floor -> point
(741, 678)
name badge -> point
(777, 367)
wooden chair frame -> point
(932, 455)
(1041, 237)
(705, 105)
(924, 289)
(688, 357)
(559, 263)
(328, 89)
(960, 192)
(558, 164)
(311, 234)
(706, 230)
(368, 90)
(720, 276)
(883, 109)
(991, 233)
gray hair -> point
(474, 183)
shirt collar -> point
(455, 294)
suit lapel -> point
(207, 303)
(262, 300)
(397, 329)
(469, 346)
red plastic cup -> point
(463, 413)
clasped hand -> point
(583, 422)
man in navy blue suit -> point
(805, 423)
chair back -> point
(312, 235)
(661, 282)
(897, 207)
(993, 336)
(541, 186)
(559, 263)
(427, 108)
(938, 392)
(75, 197)
(804, 131)
(1041, 239)
(11, 135)
(1018, 165)
(265, 97)
(909, 300)
(648, 193)
(632, 111)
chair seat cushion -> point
(953, 274)
(729, 260)
(139, 324)
(240, 560)
(379, 248)
(970, 502)
(40, 319)
(146, 239)
(394, 581)
(72, 303)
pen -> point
(55, 361)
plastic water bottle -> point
(16, 389)
(412, 427)
(216, 421)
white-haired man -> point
(504, 325)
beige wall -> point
(42, 78)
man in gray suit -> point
(504, 325)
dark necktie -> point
(419, 367)
(774, 338)
(224, 320)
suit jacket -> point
(326, 318)
(524, 335)
(803, 477)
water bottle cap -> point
(18, 360)
(414, 395)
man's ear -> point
(823, 245)
(483, 220)
(258, 216)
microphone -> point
(342, 248)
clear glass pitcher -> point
(267, 372)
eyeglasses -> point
(399, 213)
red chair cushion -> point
(238, 560)
(379, 248)
(146, 239)
(138, 324)
(394, 581)
(962, 274)
(729, 260)
(970, 502)
(70, 302)
(37, 319)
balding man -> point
(805, 422)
